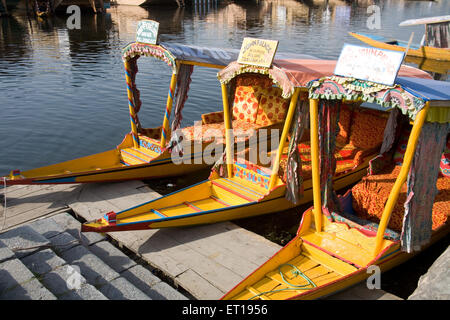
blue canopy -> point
(216, 56)
(426, 89)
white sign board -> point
(147, 31)
(371, 64)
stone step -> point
(18, 283)
(24, 241)
(68, 265)
(140, 277)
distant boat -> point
(399, 45)
(434, 45)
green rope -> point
(296, 272)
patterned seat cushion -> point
(211, 131)
(371, 193)
(272, 107)
(247, 94)
(345, 118)
(445, 161)
(212, 117)
(367, 129)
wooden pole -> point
(313, 116)
(228, 131)
(407, 161)
(284, 134)
(165, 132)
(131, 105)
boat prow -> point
(126, 162)
(209, 201)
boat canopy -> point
(189, 54)
(291, 73)
(425, 101)
(408, 94)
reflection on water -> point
(63, 91)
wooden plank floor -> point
(207, 260)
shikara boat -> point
(243, 187)
(435, 43)
(399, 45)
(146, 153)
(342, 238)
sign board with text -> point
(371, 64)
(257, 52)
(147, 31)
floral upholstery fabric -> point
(367, 129)
(371, 193)
(245, 105)
(247, 94)
(401, 147)
(345, 120)
(212, 117)
(348, 157)
(208, 132)
(272, 107)
(153, 133)
(445, 161)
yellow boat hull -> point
(332, 260)
(214, 200)
(109, 166)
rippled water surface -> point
(63, 91)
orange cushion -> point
(345, 117)
(367, 129)
(245, 104)
(371, 193)
(272, 107)
(212, 117)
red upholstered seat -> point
(371, 193)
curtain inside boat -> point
(294, 177)
(135, 91)
(422, 178)
(328, 118)
(438, 35)
(384, 158)
(181, 95)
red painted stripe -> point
(133, 156)
(190, 205)
(220, 201)
(144, 154)
(233, 192)
(331, 253)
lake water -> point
(63, 91)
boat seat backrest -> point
(367, 128)
(256, 101)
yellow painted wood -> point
(395, 192)
(326, 260)
(169, 104)
(201, 64)
(208, 204)
(314, 133)
(227, 196)
(423, 52)
(228, 128)
(130, 108)
(284, 134)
